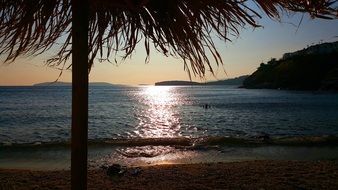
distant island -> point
(69, 84)
(176, 83)
(234, 81)
(313, 68)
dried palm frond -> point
(180, 28)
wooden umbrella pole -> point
(80, 14)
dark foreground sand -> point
(238, 175)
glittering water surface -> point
(151, 125)
(157, 116)
(42, 114)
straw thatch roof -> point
(181, 28)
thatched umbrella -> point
(101, 28)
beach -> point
(234, 175)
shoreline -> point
(265, 174)
(58, 158)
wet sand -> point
(236, 175)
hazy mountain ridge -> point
(233, 81)
(69, 84)
(313, 68)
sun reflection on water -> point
(157, 117)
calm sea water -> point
(43, 114)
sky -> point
(241, 56)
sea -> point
(145, 125)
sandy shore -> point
(237, 175)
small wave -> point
(181, 141)
(194, 142)
(306, 140)
(145, 151)
(267, 140)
